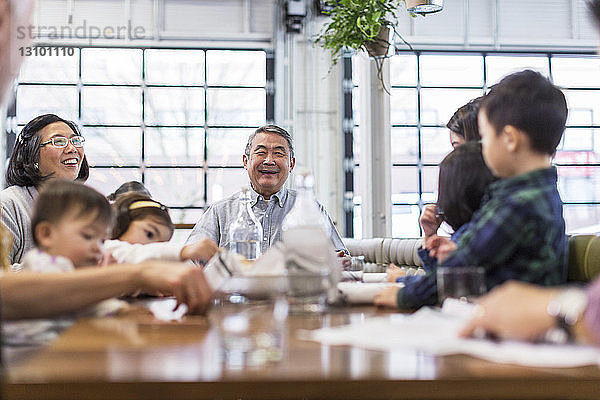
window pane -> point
(226, 146)
(113, 146)
(55, 69)
(240, 68)
(582, 218)
(584, 107)
(111, 105)
(37, 100)
(429, 179)
(579, 183)
(403, 106)
(171, 106)
(435, 144)
(576, 72)
(176, 186)
(438, 105)
(122, 66)
(579, 143)
(405, 185)
(236, 107)
(404, 145)
(174, 146)
(405, 221)
(175, 67)
(451, 70)
(223, 182)
(500, 66)
(107, 180)
(403, 70)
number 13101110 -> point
(41, 51)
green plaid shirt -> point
(518, 233)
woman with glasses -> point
(48, 147)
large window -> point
(428, 87)
(175, 119)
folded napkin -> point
(363, 293)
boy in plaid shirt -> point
(519, 231)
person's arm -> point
(206, 228)
(12, 227)
(31, 295)
(518, 310)
(491, 239)
(124, 252)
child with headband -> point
(142, 227)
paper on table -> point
(436, 332)
(363, 293)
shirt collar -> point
(536, 178)
(281, 196)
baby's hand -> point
(199, 251)
(393, 272)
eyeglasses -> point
(61, 141)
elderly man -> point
(269, 159)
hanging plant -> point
(359, 25)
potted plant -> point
(359, 25)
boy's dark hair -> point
(531, 103)
(62, 198)
(463, 179)
(23, 167)
(134, 206)
(131, 186)
(464, 120)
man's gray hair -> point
(271, 129)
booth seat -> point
(584, 254)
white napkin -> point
(363, 293)
(435, 332)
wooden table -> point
(136, 358)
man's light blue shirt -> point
(215, 222)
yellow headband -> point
(145, 203)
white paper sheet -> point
(435, 332)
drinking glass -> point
(462, 283)
(250, 316)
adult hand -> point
(429, 220)
(345, 259)
(186, 283)
(199, 251)
(440, 247)
(394, 272)
(388, 297)
(515, 310)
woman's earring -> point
(36, 166)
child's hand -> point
(200, 251)
(388, 297)
(345, 259)
(440, 247)
(430, 221)
(393, 272)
